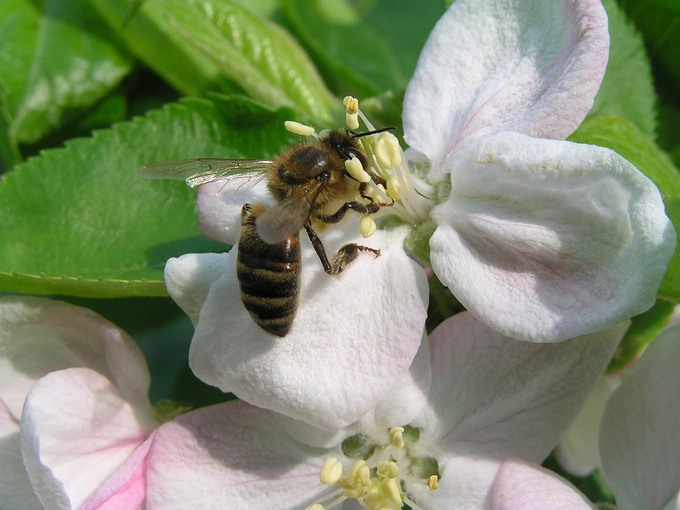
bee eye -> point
(351, 152)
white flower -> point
(490, 397)
(540, 238)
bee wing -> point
(283, 220)
(196, 172)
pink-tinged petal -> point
(353, 337)
(219, 207)
(230, 456)
(125, 488)
(546, 240)
(76, 429)
(522, 486)
(578, 451)
(38, 336)
(15, 486)
(511, 398)
(639, 438)
(505, 65)
(188, 279)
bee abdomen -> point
(269, 278)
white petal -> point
(400, 406)
(15, 486)
(230, 456)
(76, 429)
(546, 240)
(505, 65)
(498, 397)
(640, 438)
(188, 279)
(353, 336)
(219, 207)
(578, 451)
(465, 483)
(522, 486)
(38, 336)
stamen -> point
(391, 490)
(298, 128)
(356, 170)
(387, 151)
(394, 189)
(367, 226)
(379, 481)
(388, 469)
(330, 472)
(351, 112)
(397, 437)
(433, 482)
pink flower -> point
(73, 404)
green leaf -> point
(371, 48)
(627, 89)
(202, 45)
(659, 22)
(79, 221)
(354, 57)
(670, 285)
(56, 59)
(628, 141)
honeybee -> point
(311, 186)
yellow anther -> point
(394, 189)
(316, 506)
(367, 226)
(390, 488)
(388, 469)
(352, 120)
(397, 437)
(330, 472)
(359, 474)
(351, 104)
(356, 170)
(433, 482)
(298, 128)
(375, 501)
(387, 151)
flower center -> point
(379, 477)
(390, 177)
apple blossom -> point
(435, 445)
(540, 238)
(73, 404)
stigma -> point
(380, 476)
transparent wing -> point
(283, 220)
(196, 172)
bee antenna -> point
(352, 134)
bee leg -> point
(344, 256)
(318, 248)
(371, 200)
(347, 254)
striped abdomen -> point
(269, 275)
